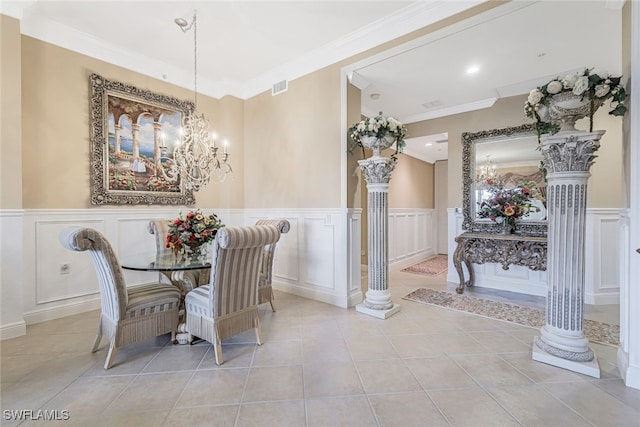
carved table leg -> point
(469, 282)
(458, 257)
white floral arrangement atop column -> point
(589, 91)
(377, 133)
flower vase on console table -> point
(506, 226)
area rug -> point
(431, 267)
(597, 332)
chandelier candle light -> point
(197, 156)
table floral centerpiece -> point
(377, 133)
(189, 234)
(506, 205)
(559, 103)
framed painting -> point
(134, 133)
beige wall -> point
(56, 123)
(292, 143)
(411, 184)
(604, 187)
(10, 114)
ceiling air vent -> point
(432, 104)
(279, 87)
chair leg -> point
(111, 355)
(273, 307)
(258, 330)
(96, 344)
(217, 348)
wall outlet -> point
(65, 269)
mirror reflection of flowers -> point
(597, 87)
(506, 205)
(189, 232)
(380, 127)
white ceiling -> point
(244, 47)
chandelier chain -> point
(197, 156)
(195, 61)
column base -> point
(380, 314)
(591, 368)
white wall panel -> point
(602, 255)
(78, 279)
(12, 268)
(411, 234)
(317, 250)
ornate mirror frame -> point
(470, 221)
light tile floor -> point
(320, 366)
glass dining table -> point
(183, 272)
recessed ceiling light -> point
(374, 96)
(428, 144)
(473, 69)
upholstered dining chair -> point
(228, 305)
(128, 314)
(265, 291)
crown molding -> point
(449, 111)
(15, 9)
(413, 17)
(420, 156)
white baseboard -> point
(630, 374)
(63, 311)
(314, 294)
(602, 298)
(13, 330)
(413, 259)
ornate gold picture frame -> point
(133, 136)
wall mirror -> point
(504, 157)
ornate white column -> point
(568, 156)
(377, 172)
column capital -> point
(572, 152)
(377, 170)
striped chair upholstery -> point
(229, 304)
(128, 314)
(188, 279)
(265, 291)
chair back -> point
(159, 228)
(113, 289)
(235, 266)
(269, 250)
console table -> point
(505, 249)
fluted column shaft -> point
(568, 156)
(377, 172)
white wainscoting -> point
(318, 258)
(12, 322)
(602, 255)
(412, 235)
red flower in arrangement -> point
(188, 232)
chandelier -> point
(197, 156)
(486, 172)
